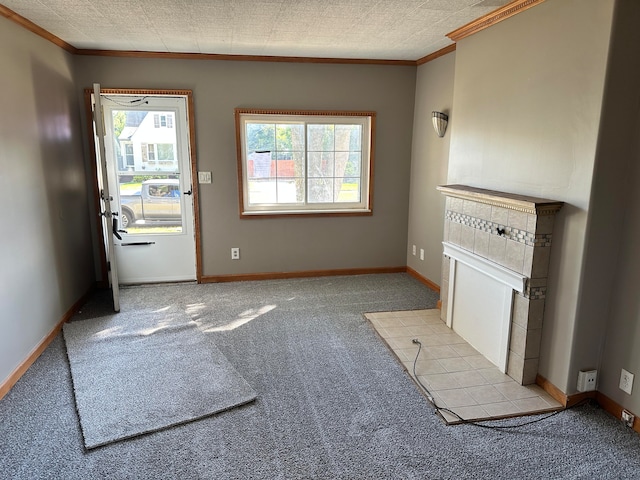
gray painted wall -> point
(46, 254)
(527, 101)
(429, 163)
(610, 296)
(284, 244)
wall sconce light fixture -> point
(440, 121)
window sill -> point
(306, 213)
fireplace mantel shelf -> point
(512, 201)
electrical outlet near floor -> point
(626, 381)
(422, 254)
(235, 253)
(587, 380)
(627, 418)
(413, 250)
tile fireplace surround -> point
(510, 233)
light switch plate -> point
(204, 177)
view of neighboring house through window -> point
(163, 120)
(128, 155)
(307, 162)
(160, 151)
(143, 138)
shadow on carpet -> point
(136, 373)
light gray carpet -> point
(333, 402)
(137, 373)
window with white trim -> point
(160, 151)
(304, 162)
(163, 120)
(128, 155)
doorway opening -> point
(149, 155)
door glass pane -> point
(148, 171)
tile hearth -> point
(458, 377)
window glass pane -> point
(342, 158)
(320, 190)
(288, 190)
(165, 151)
(321, 164)
(262, 190)
(347, 190)
(289, 137)
(290, 164)
(320, 138)
(261, 137)
(259, 165)
(354, 163)
(348, 137)
(286, 165)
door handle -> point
(131, 244)
(115, 227)
(189, 192)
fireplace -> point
(494, 274)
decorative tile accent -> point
(510, 233)
(535, 293)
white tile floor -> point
(459, 378)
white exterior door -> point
(149, 171)
(106, 213)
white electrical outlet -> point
(413, 250)
(422, 254)
(626, 381)
(627, 418)
(235, 253)
(587, 380)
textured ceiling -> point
(364, 29)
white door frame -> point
(192, 161)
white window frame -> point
(363, 207)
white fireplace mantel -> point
(513, 279)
